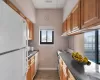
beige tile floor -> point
(47, 75)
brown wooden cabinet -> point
(69, 24)
(28, 76)
(31, 30)
(76, 17)
(90, 12)
(61, 69)
(32, 67)
(84, 17)
(61, 73)
(32, 70)
(64, 72)
(64, 27)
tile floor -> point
(47, 75)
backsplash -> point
(76, 43)
(71, 42)
(31, 43)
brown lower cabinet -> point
(64, 72)
(31, 68)
(61, 72)
(29, 71)
(29, 74)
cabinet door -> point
(29, 74)
(32, 67)
(76, 17)
(61, 69)
(69, 27)
(29, 71)
(89, 12)
(61, 72)
(64, 27)
(65, 71)
(31, 35)
(32, 70)
(31, 30)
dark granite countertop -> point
(32, 53)
(76, 69)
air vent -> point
(48, 1)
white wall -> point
(76, 43)
(48, 53)
(79, 43)
(68, 8)
(27, 8)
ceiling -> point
(52, 4)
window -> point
(89, 45)
(46, 36)
(92, 45)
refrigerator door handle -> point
(3, 53)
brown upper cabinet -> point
(84, 16)
(64, 27)
(76, 17)
(31, 30)
(69, 26)
(90, 12)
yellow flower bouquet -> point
(78, 57)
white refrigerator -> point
(13, 44)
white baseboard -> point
(47, 69)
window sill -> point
(46, 44)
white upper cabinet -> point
(11, 29)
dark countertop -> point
(32, 53)
(76, 69)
